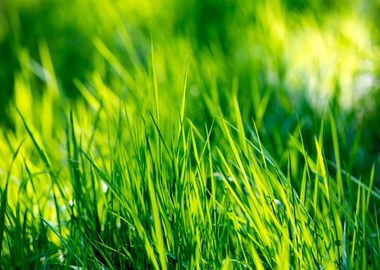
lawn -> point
(189, 135)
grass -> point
(162, 159)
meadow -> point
(189, 135)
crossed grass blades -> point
(144, 192)
(139, 172)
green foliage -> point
(206, 134)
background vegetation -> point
(209, 134)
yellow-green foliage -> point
(166, 156)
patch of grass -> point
(185, 147)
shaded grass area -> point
(139, 137)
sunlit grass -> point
(179, 155)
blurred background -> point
(286, 61)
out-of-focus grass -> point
(197, 134)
